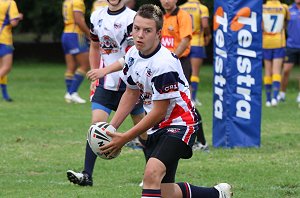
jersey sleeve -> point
(126, 72)
(204, 11)
(129, 38)
(93, 33)
(13, 11)
(165, 81)
(78, 6)
(185, 24)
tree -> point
(45, 17)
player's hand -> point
(93, 85)
(95, 74)
(117, 142)
(21, 16)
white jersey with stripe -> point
(113, 31)
(159, 76)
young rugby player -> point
(154, 72)
(111, 29)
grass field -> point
(42, 137)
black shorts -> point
(168, 147)
(186, 67)
(292, 55)
(111, 99)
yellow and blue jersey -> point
(197, 11)
(275, 15)
(68, 9)
(8, 12)
(99, 4)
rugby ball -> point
(97, 137)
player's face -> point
(168, 5)
(116, 3)
(145, 36)
(297, 2)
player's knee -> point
(152, 176)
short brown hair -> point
(150, 11)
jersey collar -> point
(150, 55)
(116, 12)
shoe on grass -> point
(81, 178)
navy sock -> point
(151, 193)
(90, 159)
(194, 86)
(4, 92)
(190, 191)
(68, 84)
(77, 80)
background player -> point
(99, 4)
(274, 16)
(201, 38)
(292, 47)
(176, 36)
(9, 18)
(153, 71)
(74, 41)
(111, 29)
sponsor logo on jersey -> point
(167, 41)
(149, 72)
(173, 130)
(117, 25)
(108, 45)
(130, 61)
(100, 22)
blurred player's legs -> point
(6, 59)
(197, 55)
(273, 63)
(268, 81)
(287, 67)
(77, 61)
(3, 84)
(276, 79)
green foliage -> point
(42, 137)
(44, 17)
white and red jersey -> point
(113, 32)
(159, 76)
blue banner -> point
(237, 73)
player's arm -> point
(14, 15)
(95, 74)
(94, 55)
(155, 116)
(80, 21)
(14, 22)
(185, 33)
(127, 103)
(184, 43)
(206, 30)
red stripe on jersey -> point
(150, 195)
(177, 110)
(187, 190)
(188, 134)
(188, 117)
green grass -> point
(42, 137)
